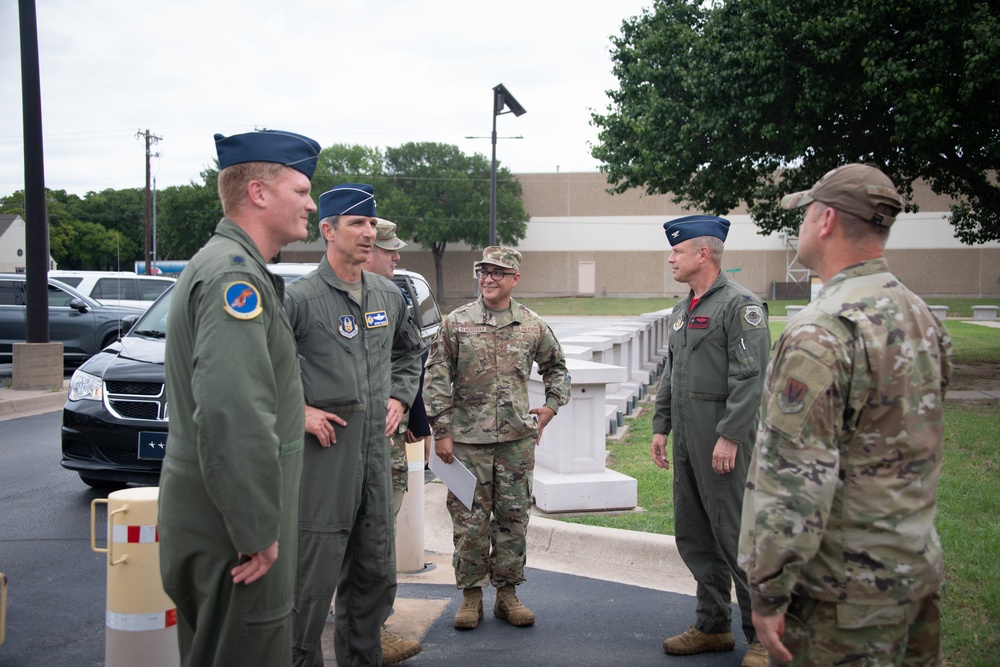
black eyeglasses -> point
(496, 274)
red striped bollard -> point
(141, 620)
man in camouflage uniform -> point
(360, 356)
(476, 391)
(709, 397)
(838, 533)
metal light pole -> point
(501, 99)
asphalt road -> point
(57, 593)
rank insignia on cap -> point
(376, 319)
(241, 300)
(679, 323)
(348, 329)
(791, 399)
(754, 315)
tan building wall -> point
(575, 220)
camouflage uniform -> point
(476, 393)
(838, 517)
(711, 388)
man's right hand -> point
(659, 450)
(318, 423)
(444, 447)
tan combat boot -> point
(693, 641)
(396, 649)
(756, 656)
(471, 611)
(510, 609)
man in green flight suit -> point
(230, 482)
(360, 355)
(708, 397)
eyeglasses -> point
(496, 274)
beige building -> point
(581, 240)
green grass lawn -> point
(968, 518)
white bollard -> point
(141, 620)
(410, 520)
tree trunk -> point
(437, 250)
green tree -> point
(438, 195)
(122, 211)
(186, 216)
(746, 100)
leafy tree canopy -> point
(747, 100)
(437, 195)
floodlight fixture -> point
(502, 99)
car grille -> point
(144, 401)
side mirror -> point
(127, 323)
(78, 304)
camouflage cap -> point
(385, 235)
(508, 258)
(854, 188)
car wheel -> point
(109, 339)
(95, 483)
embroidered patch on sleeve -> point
(799, 381)
(753, 317)
(241, 300)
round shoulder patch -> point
(241, 300)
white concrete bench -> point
(940, 311)
(570, 462)
(792, 311)
(984, 313)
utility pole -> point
(150, 139)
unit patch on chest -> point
(348, 328)
(699, 322)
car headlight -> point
(85, 387)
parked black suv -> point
(115, 419)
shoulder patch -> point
(241, 300)
(753, 317)
(799, 381)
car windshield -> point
(153, 323)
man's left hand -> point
(724, 456)
(769, 631)
(544, 415)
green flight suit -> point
(711, 387)
(354, 358)
(230, 480)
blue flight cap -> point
(348, 199)
(693, 226)
(287, 148)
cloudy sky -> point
(380, 73)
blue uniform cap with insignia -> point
(287, 148)
(348, 199)
(693, 226)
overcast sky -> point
(380, 73)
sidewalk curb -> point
(23, 403)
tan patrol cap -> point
(385, 235)
(508, 258)
(854, 188)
